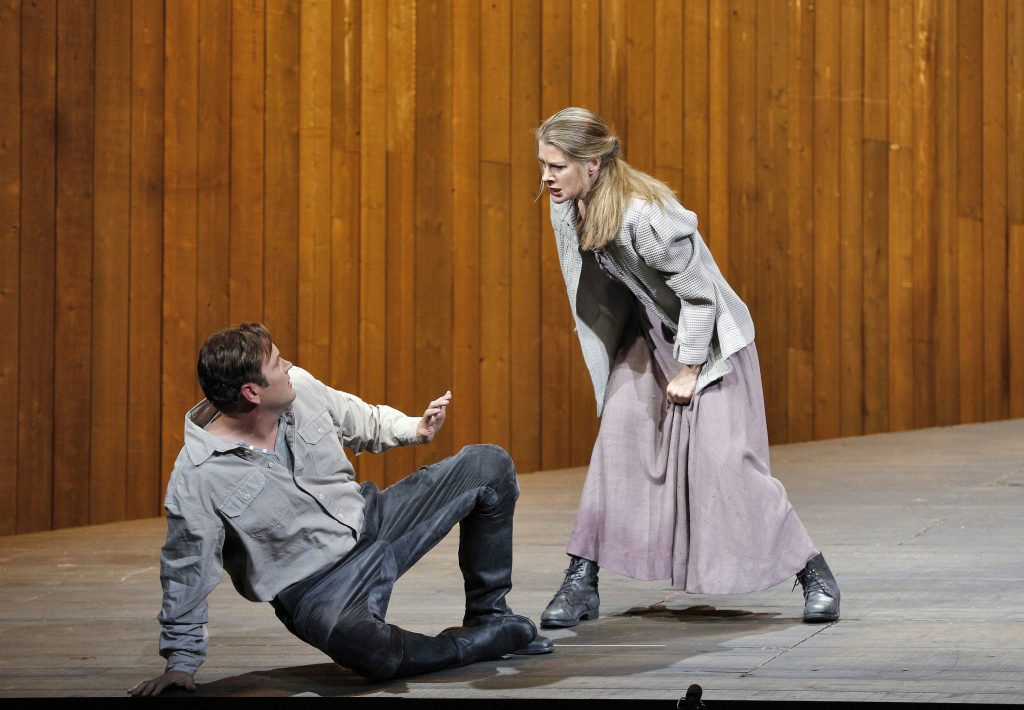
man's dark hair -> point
(231, 358)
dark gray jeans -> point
(341, 610)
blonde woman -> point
(679, 485)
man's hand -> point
(680, 389)
(155, 686)
(433, 418)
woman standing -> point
(679, 485)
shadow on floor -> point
(640, 640)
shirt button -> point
(251, 448)
(270, 464)
(264, 451)
(320, 429)
(247, 496)
(321, 496)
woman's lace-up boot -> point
(577, 599)
(821, 592)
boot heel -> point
(590, 615)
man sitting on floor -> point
(263, 489)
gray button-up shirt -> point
(268, 519)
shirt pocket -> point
(322, 444)
(247, 509)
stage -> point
(924, 531)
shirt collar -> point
(201, 444)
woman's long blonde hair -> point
(582, 135)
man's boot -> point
(485, 558)
(821, 592)
(577, 599)
(503, 634)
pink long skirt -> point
(685, 492)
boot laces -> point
(573, 574)
(811, 581)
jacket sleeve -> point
(365, 427)
(665, 241)
(191, 565)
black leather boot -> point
(503, 634)
(485, 558)
(821, 592)
(577, 599)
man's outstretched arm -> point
(190, 568)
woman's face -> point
(565, 179)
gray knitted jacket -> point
(668, 268)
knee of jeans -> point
(495, 467)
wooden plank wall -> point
(360, 175)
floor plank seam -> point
(783, 652)
(922, 531)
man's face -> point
(278, 393)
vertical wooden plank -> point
(37, 269)
(947, 354)
(10, 233)
(901, 215)
(401, 201)
(143, 497)
(924, 244)
(281, 188)
(771, 129)
(799, 183)
(465, 421)
(213, 197)
(559, 73)
(969, 208)
(1015, 200)
(993, 127)
(876, 287)
(665, 103)
(181, 39)
(248, 71)
(373, 289)
(851, 226)
(1015, 116)
(581, 22)
(587, 74)
(495, 293)
(74, 278)
(876, 214)
(969, 237)
(345, 142)
(614, 69)
(695, 111)
(826, 219)
(111, 225)
(1015, 305)
(718, 228)
(743, 253)
(314, 185)
(433, 272)
(524, 274)
(640, 84)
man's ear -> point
(250, 394)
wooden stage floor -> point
(924, 531)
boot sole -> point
(589, 615)
(820, 618)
